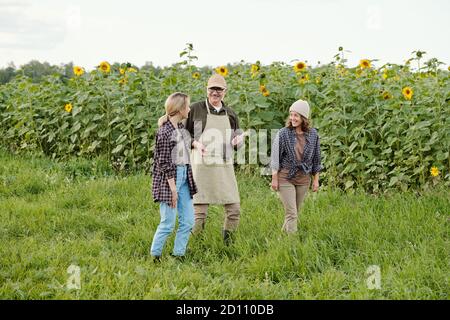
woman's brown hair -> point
(305, 126)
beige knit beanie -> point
(301, 107)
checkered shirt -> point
(283, 153)
(164, 166)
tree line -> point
(37, 70)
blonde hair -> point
(175, 103)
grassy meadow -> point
(79, 212)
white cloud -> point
(86, 31)
(26, 26)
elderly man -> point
(214, 129)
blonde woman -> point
(295, 159)
(173, 184)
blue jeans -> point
(168, 217)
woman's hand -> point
(315, 186)
(200, 147)
(275, 185)
(173, 189)
(174, 198)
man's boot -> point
(227, 237)
(199, 226)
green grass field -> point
(54, 215)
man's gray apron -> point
(213, 174)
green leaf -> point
(104, 133)
(442, 155)
(94, 145)
(255, 122)
(422, 124)
(117, 149)
(353, 146)
(88, 130)
(116, 119)
(393, 181)
(98, 117)
(64, 126)
(76, 127)
(349, 184)
(248, 108)
(266, 116)
(51, 136)
(121, 138)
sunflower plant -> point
(380, 128)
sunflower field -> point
(381, 127)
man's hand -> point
(237, 140)
(200, 147)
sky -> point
(87, 32)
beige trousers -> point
(292, 197)
(232, 215)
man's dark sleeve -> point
(190, 124)
(236, 124)
(236, 130)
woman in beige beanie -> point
(295, 159)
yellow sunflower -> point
(104, 67)
(68, 107)
(386, 95)
(122, 71)
(407, 93)
(341, 70)
(434, 171)
(78, 71)
(304, 79)
(265, 93)
(123, 81)
(131, 69)
(196, 75)
(255, 68)
(222, 70)
(299, 66)
(364, 64)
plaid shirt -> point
(283, 153)
(164, 166)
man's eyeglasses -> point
(216, 89)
